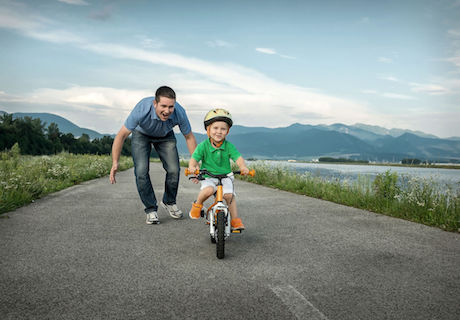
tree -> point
(54, 136)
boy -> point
(215, 154)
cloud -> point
(397, 96)
(219, 43)
(75, 2)
(454, 35)
(273, 52)
(103, 14)
(287, 57)
(385, 60)
(150, 43)
(266, 50)
(389, 95)
(245, 91)
(431, 89)
(369, 91)
(107, 107)
(389, 78)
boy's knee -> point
(229, 196)
(208, 191)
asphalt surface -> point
(86, 253)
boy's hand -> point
(193, 170)
(244, 170)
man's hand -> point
(116, 151)
(113, 172)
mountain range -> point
(64, 125)
(306, 142)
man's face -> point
(164, 108)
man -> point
(151, 123)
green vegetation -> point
(417, 200)
(34, 139)
(25, 178)
(341, 160)
(411, 161)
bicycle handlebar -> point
(252, 173)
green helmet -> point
(218, 115)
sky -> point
(390, 63)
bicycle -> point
(217, 215)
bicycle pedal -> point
(236, 231)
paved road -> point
(86, 253)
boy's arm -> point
(193, 165)
(242, 165)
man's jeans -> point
(141, 146)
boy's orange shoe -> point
(195, 212)
(237, 224)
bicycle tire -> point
(220, 243)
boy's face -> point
(218, 130)
(164, 108)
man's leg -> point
(140, 148)
(167, 151)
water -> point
(344, 172)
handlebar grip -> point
(188, 172)
(252, 173)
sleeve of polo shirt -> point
(233, 152)
(184, 123)
(134, 117)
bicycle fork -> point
(219, 207)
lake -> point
(351, 172)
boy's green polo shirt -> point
(216, 160)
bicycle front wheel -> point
(220, 243)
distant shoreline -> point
(428, 166)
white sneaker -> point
(173, 210)
(152, 218)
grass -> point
(412, 199)
(26, 178)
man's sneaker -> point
(237, 224)
(152, 218)
(173, 210)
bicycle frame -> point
(218, 213)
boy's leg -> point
(204, 195)
(236, 222)
(195, 212)
(231, 203)
(140, 148)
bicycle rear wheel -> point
(220, 243)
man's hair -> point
(166, 92)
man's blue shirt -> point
(144, 119)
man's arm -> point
(191, 142)
(116, 151)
